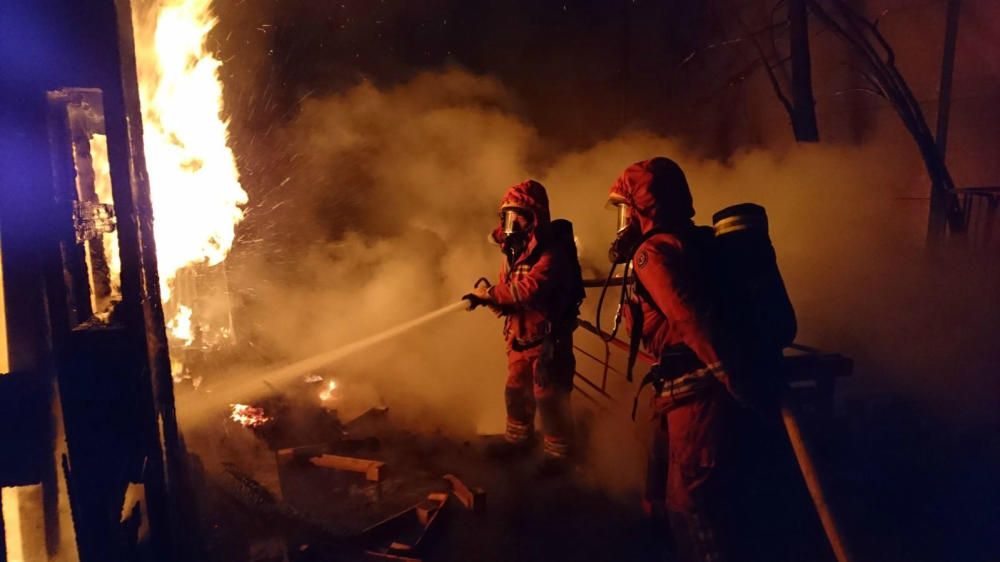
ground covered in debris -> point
(262, 505)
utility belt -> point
(676, 378)
(521, 345)
(677, 391)
(557, 331)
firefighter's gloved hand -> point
(478, 297)
(474, 301)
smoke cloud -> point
(378, 204)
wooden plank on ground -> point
(474, 498)
(373, 470)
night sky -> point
(580, 70)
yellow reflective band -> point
(738, 223)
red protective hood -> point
(530, 196)
(658, 193)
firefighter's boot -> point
(518, 441)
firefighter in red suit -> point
(696, 403)
(535, 298)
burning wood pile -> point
(292, 479)
(298, 483)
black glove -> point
(474, 300)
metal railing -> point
(593, 386)
(810, 372)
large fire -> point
(195, 187)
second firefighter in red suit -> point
(714, 442)
(535, 297)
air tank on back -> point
(748, 273)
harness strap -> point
(638, 320)
(676, 364)
(653, 377)
(636, 332)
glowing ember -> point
(102, 188)
(327, 392)
(248, 416)
(194, 183)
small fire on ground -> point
(328, 390)
(248, 416)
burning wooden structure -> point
(91, 458)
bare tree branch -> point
(870, 91)
(865, 37)
(770, 71)
(733, 41)
(773, 38)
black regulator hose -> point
(624, 295)
(621, 302)
(600, 303)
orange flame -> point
(248, 416)
(328, 390)
(179, 327)
(194, 182)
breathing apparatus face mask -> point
(624, 216)
(627, 237)
(515, 225)
(508, 217)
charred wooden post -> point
(166, 431)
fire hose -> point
(813, 484)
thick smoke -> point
(388, 205)
(381, 210)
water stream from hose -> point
(244, 387)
